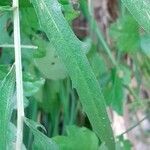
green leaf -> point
(97, 64)
(49, 101)
(114, 90)
(124, 74)
(6, 94)
(29, 24)
(14, 105)
(103, 147)
(69, 13)
(41, 142)
(12, 130)
(5, 8)
(125, 34)
(117, 93)
(140, 9)
(95, 30)
(77, 139)
(32, 84)
(145, 44)
(4, 69)
(5, 39)
(6, 2)
(123, 144)
(11, 136)
(64, 2)
(50, 65)
(24, 3)
(69, 49)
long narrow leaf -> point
(69, 49)
(6, 94)
(41, 142)
(140, 9)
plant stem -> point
(22, 46)
(89, 14)
(134, 126)
(90, 8)
(19, 84)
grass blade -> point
(69, 49)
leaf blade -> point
(40, 140)
(141, 11)
(6, 93)
(69, 49)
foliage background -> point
(110, 36)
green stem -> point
(88, 13)
(19, 84)
(22, 46)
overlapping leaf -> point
(23, 3)
(140, 9)
(77, 139)
(40, 140)
(4, 23)
(50, 65)
(125, 34)
(69, 49)
(6, 94)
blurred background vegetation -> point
(118, 50)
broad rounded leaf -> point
(77, 139)
(51, 66)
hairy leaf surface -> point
(140, 9)
(69, 49)
(40, 140)
(6, 94)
